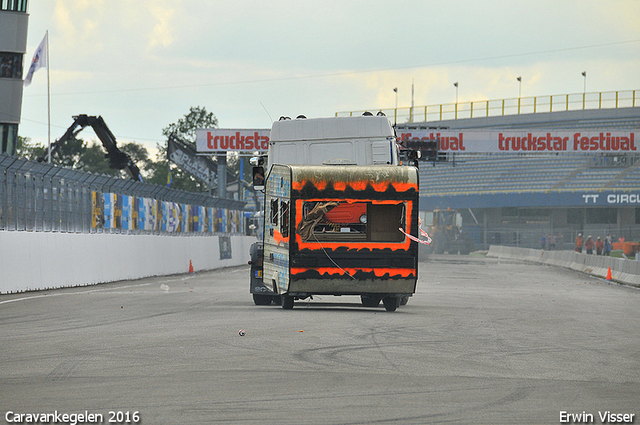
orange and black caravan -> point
(341, 230)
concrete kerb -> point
(622, 270)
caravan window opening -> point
(357, 221)
(274, 211)
(284, 219)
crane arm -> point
(117, 159)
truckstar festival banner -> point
(222, 140)
(549, 141)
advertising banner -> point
(127, 212)
(109, 202)
(523, 141)
(238, 140)
(201, 168)
(124, 212)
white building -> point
(13, 43)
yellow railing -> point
(501, 107)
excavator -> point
(447, 233)
(117, 159)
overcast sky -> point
(142, 64)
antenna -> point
(265, 109)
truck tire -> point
(260, 299)
(391, 303)
(287, 302)
(368, 301)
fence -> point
(564, 238)
(45, 198)
(513, 106)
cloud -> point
(162, 32)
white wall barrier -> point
(45, 260)
(623, 271)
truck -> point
(339, 212)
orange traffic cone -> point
(191, 267)
(609, 274)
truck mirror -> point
(258, 178)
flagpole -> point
(48, 101)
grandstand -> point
(514, 199)
(506, 173)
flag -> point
(39, 60)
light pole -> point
(395, 113)
(456, 106)
(584, 94)
(519, 92)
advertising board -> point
(513, 141)
(238, 140)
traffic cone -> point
(191, 267)
(609, 274)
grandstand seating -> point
(511, 173)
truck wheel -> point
(368, 301)
(287, 302)
(391, 303)
(404, 300)
(259, 299)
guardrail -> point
(512, 106)
(622, 270)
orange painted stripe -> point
(356, 185)
(277, 236)
(379, 272)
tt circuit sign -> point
(612, 198)
(238, 140)
(617, 199)
(483, 141)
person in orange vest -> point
(599, 246)
(579, 242)
(589, 245)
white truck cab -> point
(362, 140)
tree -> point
(185, 128)
(69, 154)
(66, 155)
(28, 150)
(92, 159)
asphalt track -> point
(483, 341)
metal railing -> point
(45, 198)
(513, 106)
(531, 236)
